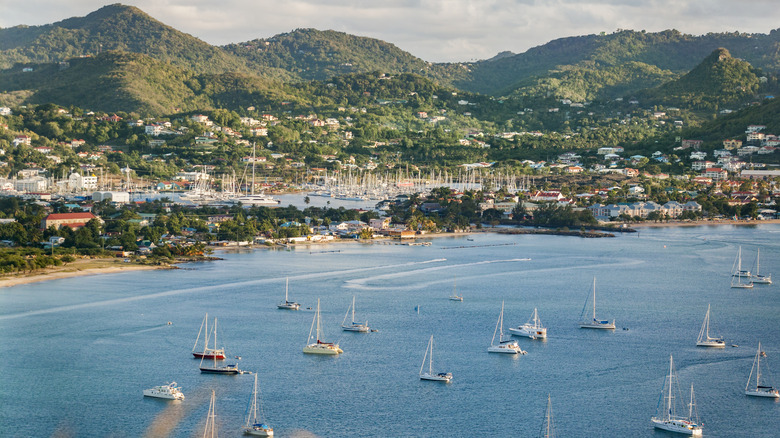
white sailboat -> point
(253, 426)
(738, 274)
(429, 375)
(317, 346)
(206, 352)
(704, 339)
(506, 346)
(214, 368)
(455, 296)
(593, 322)
(754, 387)
(360, 327)
(759, 278)
(666, 413)
(287, 304)
(548, 427)
(210, 430)
(532, 329)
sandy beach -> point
(78, 268)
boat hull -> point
(711, 344)
(220, 370)
(442, 377)
(506, 350)
(293, 306)
(532, 333)
(322, 349)
(765, 394)
(678, 426)
(356, 328)
(153, 393)
(760, 279)
(258, 431)
(742, 286)
(598, 326)
(219, 356)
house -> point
(22, 139)
(549, 196)
(716, 173)
(732, 144)
(72, 220)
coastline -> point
(86, 267)
(701, 223)
(79, 268)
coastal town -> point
(73, 185)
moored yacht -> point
(532, 329)
(168, 391)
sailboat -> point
(319, 347)
(360, 327)
(429, 375)
(287, 304)
(210, 430)
(252, 199)
(548, 428)
(758, 278)
(455, 296)
(532, 329)
(704, 339)
(666, 416)
(206, 352)
(738, 274)
(506, 346)
(252, 426)
(214, 368)
(594, 323)
(754, 387)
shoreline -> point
(73, 270)
(111, 266)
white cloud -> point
(435, 30)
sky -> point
(434, 30)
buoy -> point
(169, 323)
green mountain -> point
(718, 80)
(112, 28)
(622, 55)
(310, 54)
(132, 82)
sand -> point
(78, 268)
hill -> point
(668, 53)
(718, 80)
(112, 28)
(132, 82)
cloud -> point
(434, 30)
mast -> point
(318, 320)
(549, 428)
(430, 359)
(670, 396)
(594, 298)
(353, 309)
(286, 286)
(690, 405)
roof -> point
(61, 216)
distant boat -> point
(593, 322)
(319, 347)
(754, 387)
(253, 426)
(666, 413)
(206, 352)
(214, 368)
(506, 346)
(360, 327)
(532, 329)
(455, 296)
(287, 304)
(429, 375)
(758, 278)
(210, 430)
(168, 391)
(738, 274)
(548, 427)
(704, 339)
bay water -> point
(77, 353)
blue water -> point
(77, 353)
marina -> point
(657, 285)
